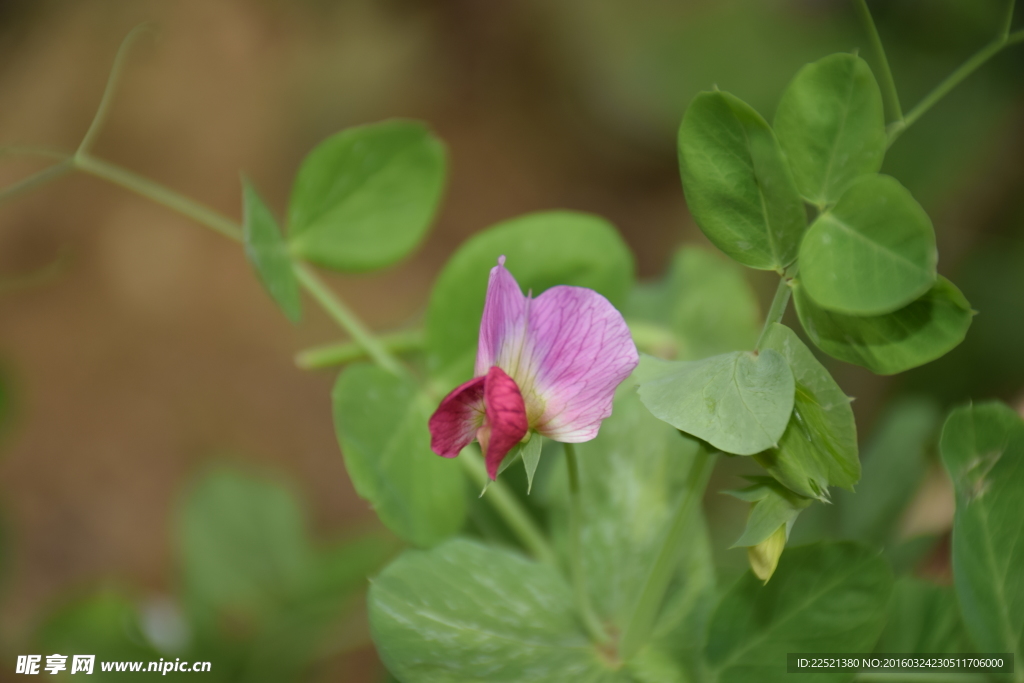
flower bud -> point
(764, 557)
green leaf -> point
(268, 253)
(923, 618)
(654, 665)
(365, 197)
(894, 465)
(301, 630)
(467, 612)
(381, 423)
(259, 595)
(105, 624)
(891, 343)
(542, 250)
(738, 402)
(873, 253)
(983, 450)
(822, 598)
(705, 303)
(773, 506)
(738, 186)
(628, 502)
(831, 125)
(819, 446)
(242, 544)
(341, 569)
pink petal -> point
(453, 425)
(567, 351)
(580, 350)
(506, 418)
(503, 326)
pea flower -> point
(548, 365)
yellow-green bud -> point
(764, 557)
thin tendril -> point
(108, 91)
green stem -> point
(888, 84)
(344, 316)
(161, 195)
(331, 355)
(951, 81)
(579, 583)
(510, 509)
(1005, 39)
(502, 500)
(1007, 20)
(645, 612)
(108, 91)
(215, 220)
(204, 215)
(26, 150)
(778, 308)
(36, 180)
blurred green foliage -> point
(258, 599)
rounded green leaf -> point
(365, 197)
(873, 253)
(542, 250)
(464, 612)
(242, 543)
(822, 598)
(268, 253)
(983, 450)
(891, 343)
(738, 186)
(819, 446)
(831, 125)
(381, 423)
(738, 402)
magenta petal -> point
(453, 425)
(580, 350)
(566, 351)
(506, 418)
(503, 325)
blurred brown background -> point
(154, 349)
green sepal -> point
(268, 253)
